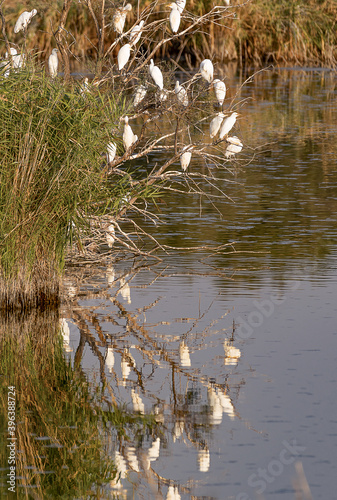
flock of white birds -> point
(220, 124)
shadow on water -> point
(149, 386)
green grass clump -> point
(51, 142)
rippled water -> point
(234, 354)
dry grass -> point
(287, 31)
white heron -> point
(123, 55)
(139, 95)
(181, 94)
(174, 17)
(136, 33)
(206, 70)
(220, 91)
(12, 51)
(53, 63)
(215, 125)
(185, 158)
(234, 147)
(110, 235)
(119, 17)
(181, 5)
(129, 137)
(111, 152)
(18, 59)
(228, 124)
(234, 140)
(157, 75)
(23, 20)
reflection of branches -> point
(150, 366)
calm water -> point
(233, 356)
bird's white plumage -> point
(234, 140)
(215, 125)
(227, 125)
(123, 55)
(119, 17)
(12, 51)
(136, 33)
(23, 20)
(18, 59)
(206, 70)
(185, 158)
(174, 17)
(181, 94)
(110, 235)
(156, 75)
(220, 91)
(53, 63)
(234, 147)
(111, 152)
(128, 136)
(139, 95)
(181, 5)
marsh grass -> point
(288, 31)
(285, 31)
(51, 141)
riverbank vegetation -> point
(255, 32)
(80, 158)
(74, 170)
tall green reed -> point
(51, 178)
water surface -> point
(232, 355)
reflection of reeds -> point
(63, 426)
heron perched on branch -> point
(23, 20)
